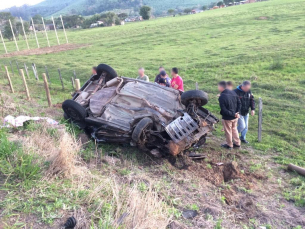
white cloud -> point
(9, 3)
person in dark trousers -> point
(159, 75)
(247, 102)
(229, 109)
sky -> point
(9, 3)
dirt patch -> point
(45, 50)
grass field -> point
(262, 42)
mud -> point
(45, 50)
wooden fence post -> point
(62, 83)
(77, 85)
(196, 85)
(12, 68)
(25, 85)
(9, 79)
(47, 73)
(18, 67)
(35, 71)
(26, 70)
(72, 80)
(46, 86)
(260, 119)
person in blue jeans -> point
(247, 102)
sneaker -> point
(235, 146)
(244, 141)
(226, 146)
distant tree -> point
(4, 16)
(117, 21)
(145, 12)
(228, 1)
(37, 19)
(171, 11)
(7, 33)
(204, 8)
(187, 10)
(109, 18)
(123, 16)
(219, 3)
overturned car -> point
(153, 117)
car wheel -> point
(74, 110)
(139, 132)
(111, 73)
(200, 97)
(66, 117)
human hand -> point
(253, 112)
(237, 115)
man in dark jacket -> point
(229, 109)
(247, 101)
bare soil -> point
(45, 50)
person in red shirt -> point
(177, 82)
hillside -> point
(89, 7)
(105, 184)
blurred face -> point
(220, 88)
(163, 76)
(141, 72)
(93, 71)
(161, 69)
(230, 87)
(246, 88)
(173, 74)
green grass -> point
(234, 43)
(226, 44)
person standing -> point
(247, 101)
(176, 82)
(229, 109)
(159, 75)
(142, 75)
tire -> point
(200, 97)
(111, 73)
(144, 124)
(66, 117)
(74, 110)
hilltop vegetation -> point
(262, 42)
(89, 7)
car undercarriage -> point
(147, 115)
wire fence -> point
(60, 80)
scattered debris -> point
(10, 121)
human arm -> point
(252, 103)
